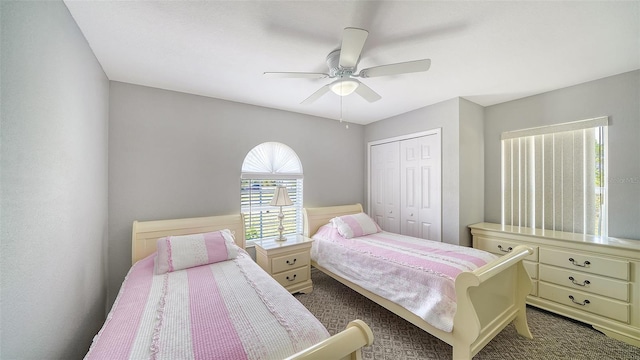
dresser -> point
(591, 279)
(289, 262)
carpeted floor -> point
(555, 337)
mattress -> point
(226, 310)
(416, 274)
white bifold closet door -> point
(385, 182)
(420, 209)
(406, 186)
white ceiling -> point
(487, 52)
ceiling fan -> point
(343, 64)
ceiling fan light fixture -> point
(344, 87)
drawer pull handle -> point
(503, 250)
(294, 277)
(586, 263)
(585, 302)
(290, 262)
(584, 283)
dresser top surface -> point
(560, 235)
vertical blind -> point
(553, 177)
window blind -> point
(553, 177)
(261, 219)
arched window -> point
(266, 166)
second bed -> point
(461, 295)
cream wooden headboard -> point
(316, 217)
(146, 233)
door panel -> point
(431, 201)
(420, 209)
(426, 231)
(385, 184)
(410, 192)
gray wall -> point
(53, 184)
(471, 206)
(616, 96)
(445, 115)
(174, 155)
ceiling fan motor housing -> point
(333, 60)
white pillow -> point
(185, 251)
(350, 226)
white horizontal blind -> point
(261, 219)
(554, 177)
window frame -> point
(267, 165)
(267, 228)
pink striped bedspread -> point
(226, 310)
(416, 274)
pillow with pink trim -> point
(186, 251)
(350, 226)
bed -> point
(196, 294)
(486, 299)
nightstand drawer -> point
(288, 262)
(586, 262)
(292, 277)
(583, 301)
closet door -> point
(410, 187)
(385, 186)
(420, 187)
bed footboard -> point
(343, 345)
(488, 299)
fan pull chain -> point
(346, 125)
(341, 105)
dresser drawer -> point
(501, 247)
(585, 282)
(585, 302)
(292, 277)
(594, 264)
(290, 261)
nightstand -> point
(289, 262)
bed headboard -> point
(146, 233)
(316, 217)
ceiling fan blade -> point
(316, 95)
(396, 69)
(306, 75)
(368, 94)
(352, 43)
